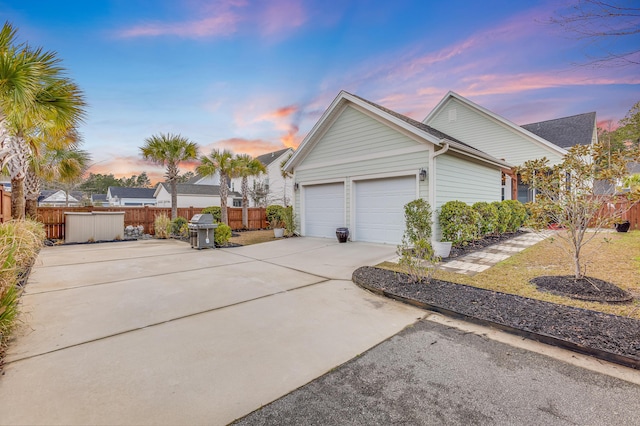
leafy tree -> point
(36, 101)
(169, 150)
(564, 195)
(184, 178)
(223, 162)
(97, 183)
(137, 181)
(247, 166)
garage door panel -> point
(379, 208)
(323, 209)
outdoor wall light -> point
(423, 175)
(296, 186)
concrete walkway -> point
(153, 332)
(481, 260)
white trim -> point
(301, 191)
(374, 156)
(497, 118)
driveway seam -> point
(138, 278)
(163, 322)
(111, 260)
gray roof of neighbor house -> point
(270, 157)
(193, 189)
(98, 197)
(566, 131)
(46, 193)
(125, 192)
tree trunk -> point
(245, 202)
(17, 199)
(174, 199)
(31, 209)
(224, 193)
(32, 192)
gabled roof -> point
(537, 139)
(421, 130)
(567, 131)
(125, 192)
(98, 197)
(270, 157)
(74, 196)
(193, 189)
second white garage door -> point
(379, 208)
(323, 209)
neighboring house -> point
(99, 200)
(58, 197)
(276, 188)
(501, 138)
(194, 195)
(123, 196)
(361, 163)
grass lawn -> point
(616, 261)
(253, 237)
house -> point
(124, 196)
(501, 138)
(272, 187)
(361, 163)
(58, 197)
(99, 200)
(194, 195)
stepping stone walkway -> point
(481, 260)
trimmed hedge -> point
(458, 222)
(488, 218)
(216, 211)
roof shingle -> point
(566, 131)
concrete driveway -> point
(153, 332)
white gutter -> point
(444, 149)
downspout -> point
(432, 184)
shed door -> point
(379, 208)
(323, 209)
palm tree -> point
(170, 150)
(223, 162)
(36, 99)
(247, 166)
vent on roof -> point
(453, 114)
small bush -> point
(275, 216)
(417, 217)
(418, 259)
(162, 226)
(289, 220)
(488, 218)
(504, 214)
(215, 211)
(517, 215)
(458, 222)
(222, 234)
(177, 224)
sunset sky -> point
(254, 76)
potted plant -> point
(441, 249)
(278, 228)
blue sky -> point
(254, 76)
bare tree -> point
(611, 29)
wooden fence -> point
(631, 213)
(54, 220)
(5, 205)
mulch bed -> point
(587, 288)
(607, 336)
(480, 244)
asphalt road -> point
(434, 374)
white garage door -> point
(380, 208)
(323, 209)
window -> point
(237, 202)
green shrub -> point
(504, 214)
(275, 216)
(458, 222)
(177, 225)
(162, 226)
(488, 217)
(417, 218)
(289, 220)
(216, 211)
(222, 234)
(517, 215)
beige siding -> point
(488, 135)
(458, 179)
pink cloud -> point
(253, 147)
(224, 18)
(279, 113)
